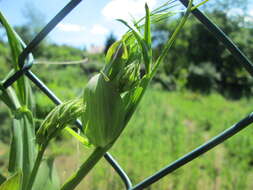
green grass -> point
(166, 126)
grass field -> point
(166, 126)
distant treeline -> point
(198, 61)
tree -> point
(109, 41)
(200, 59)
(35, 19)
(226, 5)
(34, 23)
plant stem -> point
(201, 3)
(172, 38)
(84, 169)
(36, 166)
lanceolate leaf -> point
(147, 36)
(147, 27)
(114, 60)
(22, 152)
(83, 140)
(8, 96)
(159, 11)
(16, 147)
(111, 52)
(13, 183)
(17, 46)
(29, 147)
(47, 178)
(14, 42)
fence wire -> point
(26, 62)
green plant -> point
(112, 96)
(109, 101)
(23, 149)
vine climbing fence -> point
(26, 63)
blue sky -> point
(89, 23)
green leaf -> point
(83, 140)
(29, 147)
(47, 177)
(142, 43)
(2, 179)
(14, 40)
(111, 51)
(159, 17)
(16, 147)
(23, 88)
(13, 183)
(133, 49)
(8, 96)
(147, 34)
(163, 10)
(104, 115)
(23, 149)
(114, 60)
(132, 98)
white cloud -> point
(235, 12)
(68, 27)
(124, 8)
(251, 12)
(99, 30)
(249, 18)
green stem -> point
(84, 169)
(36, 167)
(172, 39)
(197, 6)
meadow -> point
(166, 126)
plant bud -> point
(115, 60)
(129, 78)
(58, 118)
(104, 116)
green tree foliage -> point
(109, 41)
(35, 21)
(200, 62)
(225, 5)
(56, 52)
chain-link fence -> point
(26, 62)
